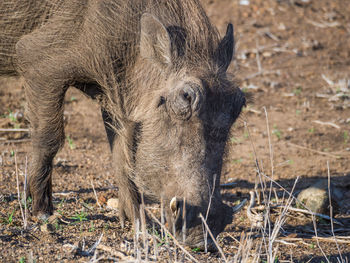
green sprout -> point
(346, 137)
(80, 216)
(92, 227)
(13, 118)
(70, 143)
(276, 132)
(297, 91)
(9, 219)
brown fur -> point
(158, 69)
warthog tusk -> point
(173, 205)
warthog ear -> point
(225, 50)
(155, 41)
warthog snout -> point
(186, 100)
(188, 225)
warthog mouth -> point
(198, 242)
(196, 235)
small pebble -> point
(316, 197)
(47, 228)
(113, 203)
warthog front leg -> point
(121, 140)
(45, 113)
(45, 85)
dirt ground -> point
(293, 59)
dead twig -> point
(327, 124)
(322, 24)
(317, 238)
(262, 72)
(93, 188)
(114, 252)
(208, 209)
(256, 219)
(312, 150)
(64, 193)
(14, 141)
(278, 225)
(309, 213)
(286, 243)
(14, 130)
(170, 235)
(332, 239)
(19, 197)
(25, 192)
(258, 56)
(212, 237)
(331, 211)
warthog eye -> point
(161, 101)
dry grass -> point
(259, 244)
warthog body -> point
(158, 70)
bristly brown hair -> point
(110, 31)
(122, 53)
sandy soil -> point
(293, 59)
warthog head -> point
(186, 105)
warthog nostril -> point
(187, 97)
(174, 206)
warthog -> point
(158, 70)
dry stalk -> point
(263, 186)
(312, 150)
(333, 239)
(278, 225)
(25, 193)
(258, 57)
(245, 246)
(14, 130)
(270, 151)
(310, 213)
(168, 233)
(262, 182)
(19, 197)
(317, 239)
(267, 215)
(93, 188)
(322, 24)
(136, 238)
(331, 124)
(162, 221)
(256, 219)
(263, 72)
(331, 211)
(207, 213)
(64, 193)
(14, 141)
(114, 252)
(143, 226)
(212, 237)
(286, 243)
(94, 246)
(184, 222)
(155, 247)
